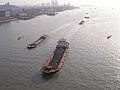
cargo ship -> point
(56, 60)
(37, 42)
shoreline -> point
(8, 19)
(30, 16)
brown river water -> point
(93, 61)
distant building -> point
(47, 4)
(54, 3)
(6, 13)
(43, 4)
(10, 10)
(68, 4)
(8, 3)
(2, 13)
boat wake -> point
(62, 27)
(69, 34)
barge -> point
(56, 60)
(37, 42)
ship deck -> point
(57, 57)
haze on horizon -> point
(72, 2)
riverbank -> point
(33, 12)
(37, 11)
(3, 20)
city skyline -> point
(30, 2)
(61, 2)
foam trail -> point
(71, 33)
(60, 28)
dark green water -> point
(93, 62)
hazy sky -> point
(72, 2)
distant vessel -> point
(54, 63)
(37, 42)
(51, 14)
(19, 38)
(26, 17)
(109, 36)
(87, 17)
(81, 22)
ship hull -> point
(37, 42)
(53, 71)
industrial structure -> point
(5, 13)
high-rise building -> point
(43, 4)
(54, 3)
(8, 3)
(5, 13)
(47, 4)
(2, 13)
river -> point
(93, 61)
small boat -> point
(87, 17)
(81, 22)
(19, 38)
(51, 14)
(37, 42)
(32, 46)
(56, 60)
(109, 36)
